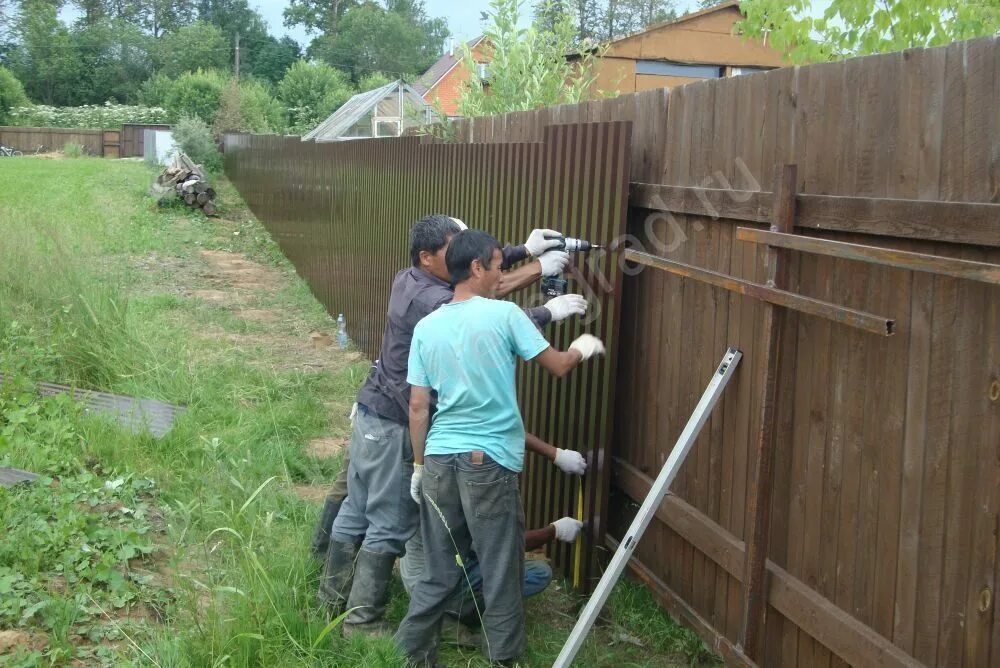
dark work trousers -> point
(468, 499)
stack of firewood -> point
(187, 180)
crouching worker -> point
(467, 485)
(465, 606)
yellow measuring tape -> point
(578, 561)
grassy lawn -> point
(190, 550)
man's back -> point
(465, 351)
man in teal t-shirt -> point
(468, 493)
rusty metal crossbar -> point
(869, 322)
(891, 257)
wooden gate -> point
(111, 143)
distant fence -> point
(133, 138)
(27, 140)
(110, 143)
(884, 512)
(342, 211)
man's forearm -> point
(540, 447)
(536, 538)
(418, 433)
(516, 279)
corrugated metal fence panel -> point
(341, 212)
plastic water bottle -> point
(342, 339)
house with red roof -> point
(442, 83)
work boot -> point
(369, 594)
(338, 573)
(321, 539)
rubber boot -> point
(369, 594)
(321, 538)
(338, 573)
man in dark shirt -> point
(376, 519)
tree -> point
(528, 67)
(400, 40)
(603, 20)
(317, 16)
(197, 46)
(12, 94)
(46, 59)
(860, 27)
(310, 92)
(114, 58)
(269, 58)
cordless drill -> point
(555, 286)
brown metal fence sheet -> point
(341, 212)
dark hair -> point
(465, 247)
(430, 234)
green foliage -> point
(248, 107)
(401, 41)
(193, 136)
(861, 27)
(46, 60)
(72, 150)
(528, 68)
(372, 81)
(153, 91)
(310, 92)
(270, 58)
(199, 46)
(597, 21)
(196, 94)
(96, 116)
(11, 95)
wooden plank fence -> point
(884, 516)
(27, 140)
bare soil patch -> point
(12, 641)
(325, 448)
(311, 493)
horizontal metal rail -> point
(934, 264)
(868, 322)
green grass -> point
(189, 550)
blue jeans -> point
(537, 576)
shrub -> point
(192, 47)
(248, 107)
(193, 136)
(311, 92)
(11, 95)
(73, 150)
(153, 91)
(196, 94)
(97, 116)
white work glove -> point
(567, 529)
(354, 413)
(565, 306)
(588, 345)
(418, 475)
(570, 461)
(538, 244)
(553, 262)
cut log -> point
(210, 192)
(202, 198)
(209, 209)
(200, 187)
(190, 199)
